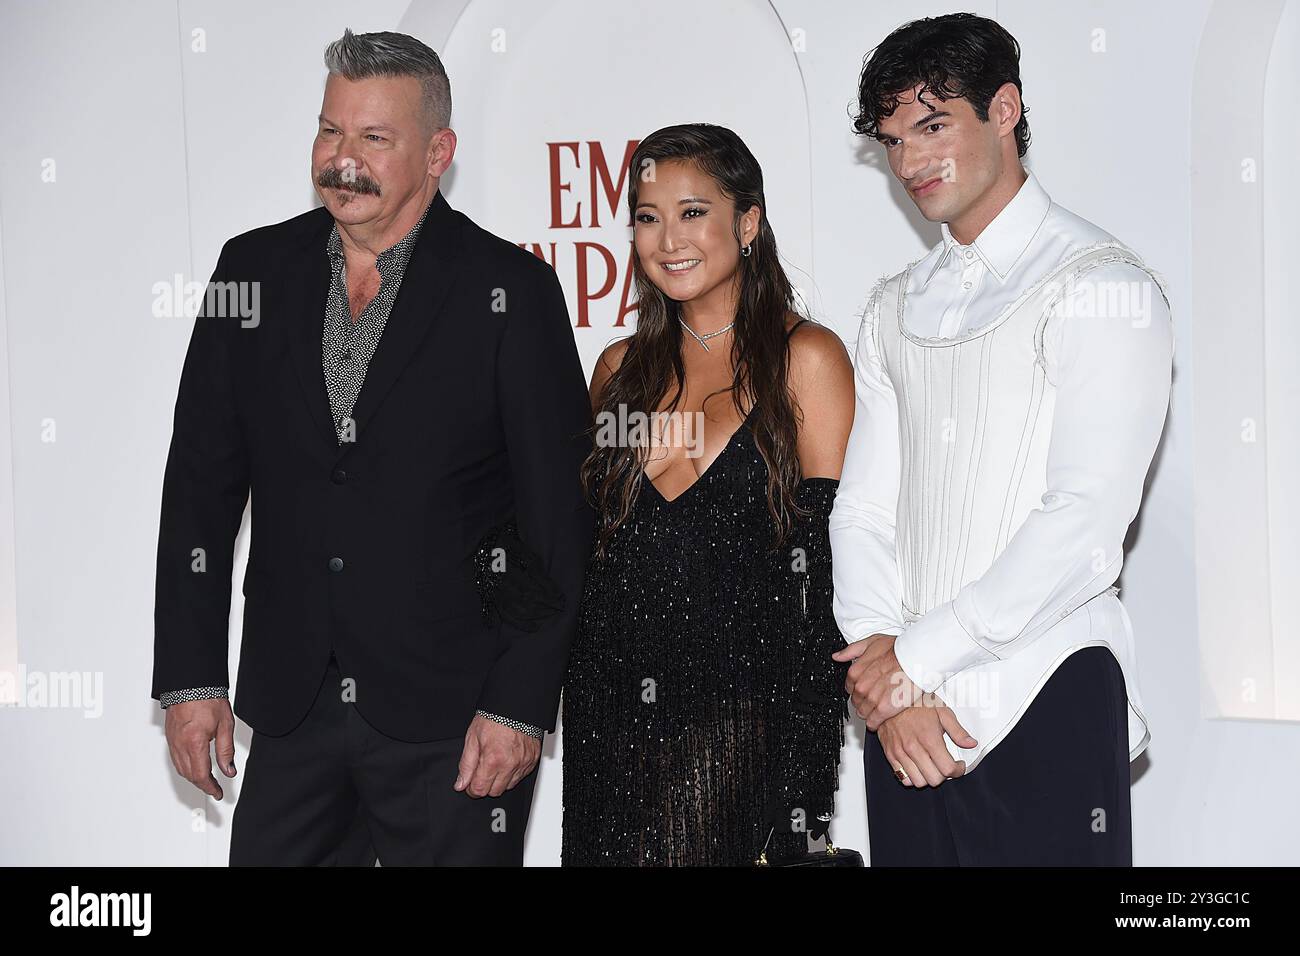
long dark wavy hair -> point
(652, 363)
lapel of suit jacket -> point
(429, 275)
(308, 289)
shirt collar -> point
(395, 256)
(1004, 240)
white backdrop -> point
(144, 134)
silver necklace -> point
(702, 339)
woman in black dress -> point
(703, 714)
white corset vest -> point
(975, 421)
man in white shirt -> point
(1012, 387)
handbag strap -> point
(831, 848)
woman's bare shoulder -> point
(612, 355)
(816, 350)
(607, 363)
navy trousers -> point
(335, 791)
(1053, 792)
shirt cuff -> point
(518, 725)
(939, 645)
(891, 629)
(167, 698)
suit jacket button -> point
(336, 564)
(339, 476)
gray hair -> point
(357, 56)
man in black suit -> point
(404, 398)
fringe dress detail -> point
(701, 706)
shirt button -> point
(966, 286)
(969, 254)
(336, 564)
(339, 476)
(347, 355)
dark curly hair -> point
(955, 56)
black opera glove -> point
(513, 585)
(811, 732)
(821, 691)
(802, 787)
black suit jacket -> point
(474, 410)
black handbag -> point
(831, 856)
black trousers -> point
(336, 792)
(1053, 792)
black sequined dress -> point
(701, 702)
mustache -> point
(331, 178)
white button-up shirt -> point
(1112, 379)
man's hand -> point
(495, 758)
(190, 727)
(913, 740)
(876, 684)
